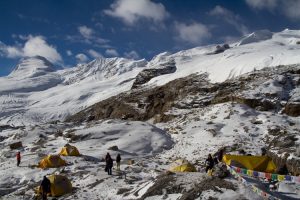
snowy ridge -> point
(101, 68)
(50, 94)
(256, 37)
(281, 49)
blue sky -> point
(68, 32)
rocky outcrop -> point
(143, 104)
(194, 91)
(147, 74)
(293, 165)
(282, 147)
(292, 109)
(220, 49)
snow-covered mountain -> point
(242, 97)
(37, 92)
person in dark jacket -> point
(220, 155)
(209, 163)
(118, 160)
(109, 163)
(18, 158)
(107, 157)
(45, 187)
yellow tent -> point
(182, 166)
(51, 161)
(69, 150)
(60, 185)
(257, 163)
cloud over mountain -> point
(130, 11)
(34, 46)
(193, 33)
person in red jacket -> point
(18, 158)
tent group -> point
(60, 185)
(257, 163)
(54, 161)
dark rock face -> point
(292, 109)
(147, 74)
(142, 104)
(220, 49)
(146, 103)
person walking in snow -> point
(45, 187)
(109, 163)
(118, 160)
(18, 158)
(209, 163)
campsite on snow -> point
(163, 117)
(149, 100)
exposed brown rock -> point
(292, 109)
(16, 145)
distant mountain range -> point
(37, 91)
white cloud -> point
(38, 46)
(112, 52)
(290, 8)
(10, 51)
(230, 18)
(87, 36)
(94, 53)
(86, 32)
(35, 45)
(132, 55)
(262, 4)
(81, 58)
(21, 37)
(69, 52)
(194, 33)
(130, 11)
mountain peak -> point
(32, 67)
(256, 36)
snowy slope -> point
(36, 92)
(255, 51)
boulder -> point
(130, 162)
(292, 109)
(113, 148)
(16, 145)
